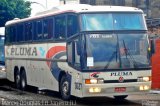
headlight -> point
(2, 69)
(94, 89)
(144, 79)
(144, 87)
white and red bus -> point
(80, 50)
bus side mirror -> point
(152, 49)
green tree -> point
(10, 9)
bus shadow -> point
(105, 101)
(94, 101)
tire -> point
(121, 97)
(23, 81)
(65, 90)
(17, 80)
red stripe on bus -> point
(53, 51)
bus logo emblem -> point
(121, 79)
(95, 74)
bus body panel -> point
(40, 57)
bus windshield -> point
(2, 50)
(117, 51)
(112, 21)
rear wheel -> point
(23, 81)
(17, 80)
(121, 97)
(65, 88)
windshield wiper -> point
(115, 53)
(111, 58)
(127, 53)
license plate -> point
(120, 89)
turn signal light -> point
(91, 81)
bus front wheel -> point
(65, 88)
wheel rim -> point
(23, 83)
(17, 79)
(65, 88)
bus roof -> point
(2, 30)
(77, 8)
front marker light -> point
(91, 81)
(144, 79)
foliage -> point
(10, 9)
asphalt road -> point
(9, 96)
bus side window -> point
(69, 53)
(13, 34)
(45, 28)
(20, 31)
(77, 53)
(72, 25)
(39, 30)
(28, 31)
(60, 27)
(7, 34)
(34, 30)
(50, 28)
(73, 56)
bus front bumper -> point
(3, 75)
(115, 89)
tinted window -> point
(72, 25)
(28, 31)
(7, 34)
(12, 33)
(20, 35)
(45, 29)
(112, 21)
(48, 28)
(70, 57)
(60, 27)
(34, 31)
(39, 30)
